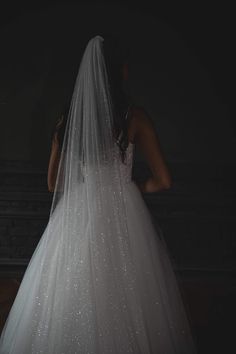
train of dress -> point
(80, 298)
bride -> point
(100, 280)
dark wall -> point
(180, 71)
(40, 55)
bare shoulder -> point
(142, 123)
(139, 112)
(147, 139)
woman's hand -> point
(149, 144)
(152, 185)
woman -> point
(100, 280)
(139, 129)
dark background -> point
(181, 71)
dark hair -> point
(59, 129)
(115, 55)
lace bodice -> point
(126, 168)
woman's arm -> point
(148, 141)
(53, 164)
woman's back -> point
(142, 133)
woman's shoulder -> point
(140, 117)
(139, 121)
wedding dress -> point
(96, 286)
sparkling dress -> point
(86, 311)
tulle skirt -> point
(76, 297)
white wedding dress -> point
(80, 302)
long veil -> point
(89, 171)
(95, 287)
(89, 182)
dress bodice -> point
(126, 167)
(105, 174)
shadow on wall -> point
(40, 60)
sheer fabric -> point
(100, 280)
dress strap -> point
(126, 116)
